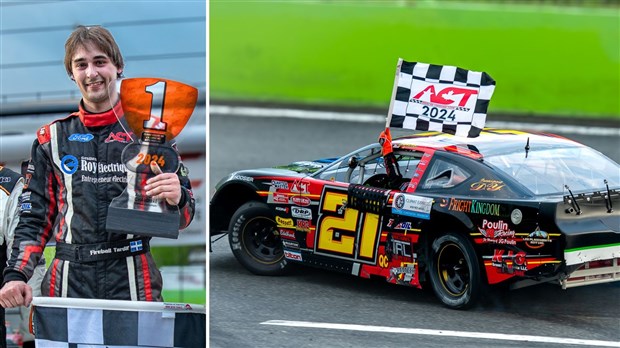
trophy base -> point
(143, 223)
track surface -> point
(240, 303)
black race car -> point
(505, 207)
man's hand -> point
(15, 293)
(164, 185)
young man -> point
(75, 172)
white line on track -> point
(374, 118)
(466, 334)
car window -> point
(444, 174)
(548, 170)
(337, 171)
(369, 166)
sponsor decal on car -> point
(287, 234)
(292, 255)
(282, 209)
(243, 178)
(282, 222)
(487, 185)
(282, 185)
(511, 262)
(537, 239)
(300, 187)
(412, 205)
(403, 274)
(290, 244)
(497, 232)
(279, 198)
(405, 225)
(301, 201)
(301, 213)
(474, 206)
(303, 225)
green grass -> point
(186, 296)
(545, 61)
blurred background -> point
(165, 39)
(556, 58)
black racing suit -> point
(74, 173)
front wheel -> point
(255, 241)
(455, 271)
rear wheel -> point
(455, 271)
(255, 241)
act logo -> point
(446, 96)
(69, 164)
(120, 137)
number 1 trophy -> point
(156, 110)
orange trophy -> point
(156, 110)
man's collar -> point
(103, 118)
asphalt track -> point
(315, 308)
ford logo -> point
(83, 138)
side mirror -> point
(353, 162)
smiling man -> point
(74, 173)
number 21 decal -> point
(348, 233)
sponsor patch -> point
(69, 164)
(412, 205)
(82, 138)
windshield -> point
(548, 170)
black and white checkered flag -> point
(440, 98)
(75, 322)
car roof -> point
(490, 142)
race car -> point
(506, 207)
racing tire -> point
(455, 271)
(255, 241)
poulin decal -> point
(497, 232)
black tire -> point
(455, 271)
(254, 240)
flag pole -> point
(389, 115)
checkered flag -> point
(75, 323)
(440, 98)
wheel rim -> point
(453, 269)
(262, 241)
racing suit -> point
(74, 173)
(11, 185)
